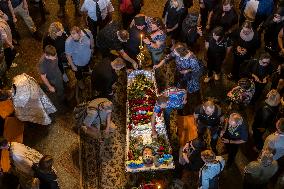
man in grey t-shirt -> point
(50, 73)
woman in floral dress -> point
(188, 71)
(188, 68)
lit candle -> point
(141, 44)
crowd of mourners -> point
(249, 37)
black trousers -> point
(62, 3)
(201, 128)
(257, 137)
(93, 26)
(232, 150)
(214, 64)
(258, 91)
(238, 65)
(204, 17)
(10, 55)
(79, 73)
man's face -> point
(175, 3)
(264, 62)
(227, 8)
(247, 31)
(232, 122)
(50, 57)
(75, 36)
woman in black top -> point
(173, 16)
(264, 119)
(206, 8)
(44, 172)
(218, 48)
(56, 37)
(272, 27)
(233, 134)
(223, 15)
(245, 45)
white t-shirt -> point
(90, 7)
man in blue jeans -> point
(79, 49)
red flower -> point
(161, 148)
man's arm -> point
(127, 58)
(46, 82)
(70, 62)
(25, 5)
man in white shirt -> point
(97, 16)
(209, 173)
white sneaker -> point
(216, 77)
(65, 78)
(14, 65)
(207, 79)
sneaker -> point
(216, 77)
(14, 65)
(207, 79)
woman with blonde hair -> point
(56, 36)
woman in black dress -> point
(245, 45)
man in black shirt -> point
(208, 116)
(112, 37)
(259, 70)
(225, 16)
(137, 28)
(104, 76)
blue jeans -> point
(167, 118)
